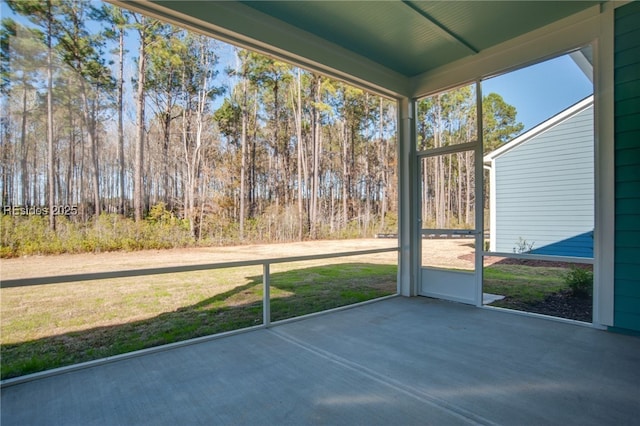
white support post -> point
(479, 196)
(407, 199)
(266, 296)
(603, 291)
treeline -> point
(111, 117)
(110, 112)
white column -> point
(479, 195)
(408, 262)
(603, 289)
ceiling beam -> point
(446, 31)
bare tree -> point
(144, 27)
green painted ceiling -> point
(412, 37)
(378, 44)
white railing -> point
(266, 302)
(266, 263)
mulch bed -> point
(562, 304)
(492, 260)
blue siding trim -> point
(627, 174)
(578, 246)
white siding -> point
(544, 189)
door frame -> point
(473, 279)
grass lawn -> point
(53, 325)
(48, 326)
(523, 284)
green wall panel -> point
(627, 189)
(631, 289)
(627, 90)
(625, 273)
(626, 14)
(628, 56)
(629, 173)
(627, 206)
(628, 73)
(627, 304)
(627, 239)
(626, 121)
(626, 23)
(627, 140)
(627, 321)
(628, 222)
(628, 256)
(628, 106)
(627, 163)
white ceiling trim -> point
(245, 27)
(561, 36)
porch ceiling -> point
(413, 37)
(382, 44)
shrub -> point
(523, 246)
(580, 281)
(390, 223)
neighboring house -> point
(542, 187)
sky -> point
(542, 90)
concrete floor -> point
(396, 362)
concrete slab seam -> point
(421, 396)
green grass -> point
(523, 284)
(320, 288)
(50, 326)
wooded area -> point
(107, 112)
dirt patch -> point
(448, 253)
(67, 264)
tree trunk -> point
(384, 175)
(243, 153)
(89, 122)
(345, 175)
(298, 124)
(24, 151)
(138, 201)
(71, 157)
(50, 152)
(121, 197)
(166, 141)
(316, 159)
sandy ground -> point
(45, 266)
(448, 253)
(439, 253)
